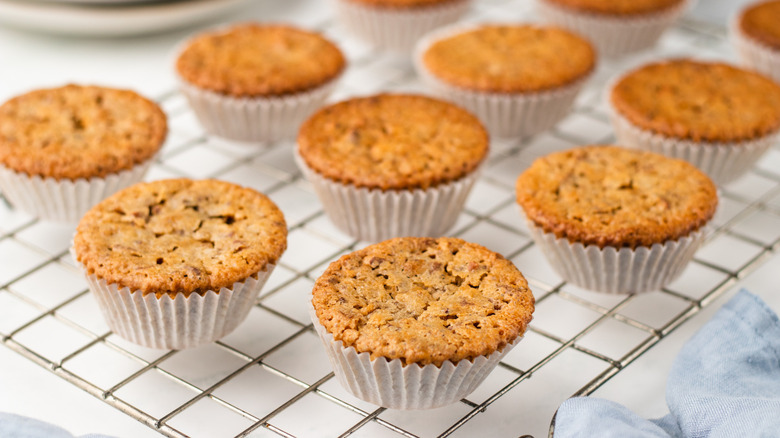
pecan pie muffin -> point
(716, 116)
(392, 165)
(518, 79)
(614, 219)
(257, 82)
(179, 263)
(417, 323)
(64, 149)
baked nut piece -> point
(439, 304)
(756, 35)
(616, 27)
(519, 79)
(64, 149)
(392, 165)
(616, 220)
(254, 82)
(178, 263)
(719, 117)
(396, 25)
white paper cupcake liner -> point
(390, 384)
(396, 30)
(613, 36)
(505, 115)
(254, 119)
(755, 55)
(176, 323)
(723, 162)
(617, 270)
(374, 215)
(64, 200)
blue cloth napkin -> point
(724, 383)
(17, 426)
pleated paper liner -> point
(180, 322)
(64, 200)
(723, 162)
(617, 270)
(253, 120)
(396, 30)
(374, 215)
(613, 36)
(390, 384)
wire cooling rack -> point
(271, 377)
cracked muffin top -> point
(700, 101)
(393, 141)
(510, 59)
(424, 300)
(618, 7)
(259, 60)
(180, 236)
(760, 22)
(76, 131)
(614, 196)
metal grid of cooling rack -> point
(270, 377)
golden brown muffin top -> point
(77, 131)
(259, 60)
(700, 101)
(613, 196)
(180, 236)
(510, 59)
(403, 4)
(762, 22)
(424, 300)
(617, 7)
(393, 141)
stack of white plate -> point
(109, 17)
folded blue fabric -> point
(724, 383)
(17, 426)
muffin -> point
(256, 83)
(616, 27)
(392, 165)
(62, 150)
(396, 25)
(418, 323)
(179, 263)
(756, 35)
(518, 79)
(716, 116)
(616, 220)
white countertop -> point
(29, 61)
